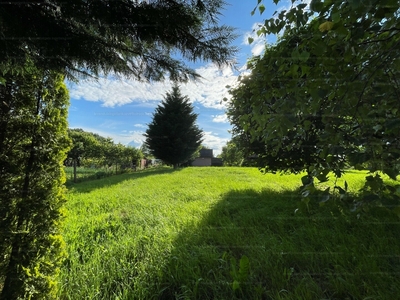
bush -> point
(33, 145)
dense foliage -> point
(33, 145)
(326, 96)
(233, 154)
(136, 38)
(92, 150)
(173, 135)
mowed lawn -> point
(222, 233)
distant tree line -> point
(92, 150)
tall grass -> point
(222, 233)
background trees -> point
(84, 145)
(92, 150)
(173, 135)
(232, 154)
(326, 95)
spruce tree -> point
(173, 135)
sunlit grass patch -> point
(166, 234)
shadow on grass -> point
(291, 256)
(89, 185)
(205, 261)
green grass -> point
(186, 234)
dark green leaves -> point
(325, 96)
(134, 38)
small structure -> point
(207, 159)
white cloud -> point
(135, 136)
(258, 44)
(108, 124)
(220, 119)
(125, 137)
(212, 141)
(140, 125)
(208, 91)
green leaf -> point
(244, 268)
(355, 3)
(235, 285)
(305, 70)
(377, 128)
(316, 5)
(392, 173)
(305, 180)
(336, 17)
(261, 31)
(307, 125)
(261, 8)
(341, 191)
(304, 56)
(295, 54)
(250, 40)
(397, 211)
(293, 71)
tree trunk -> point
(74, 165)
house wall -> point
(201, 162)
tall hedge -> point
(33, 145)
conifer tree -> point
(173, 135)
(33, 145)
(130, 37)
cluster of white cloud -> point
(214, 142)
(258, 41)
(208, 91)
(220, 119)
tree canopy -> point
(173, 135)
(326, 95)
(143, 39)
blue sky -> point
(122, 108)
